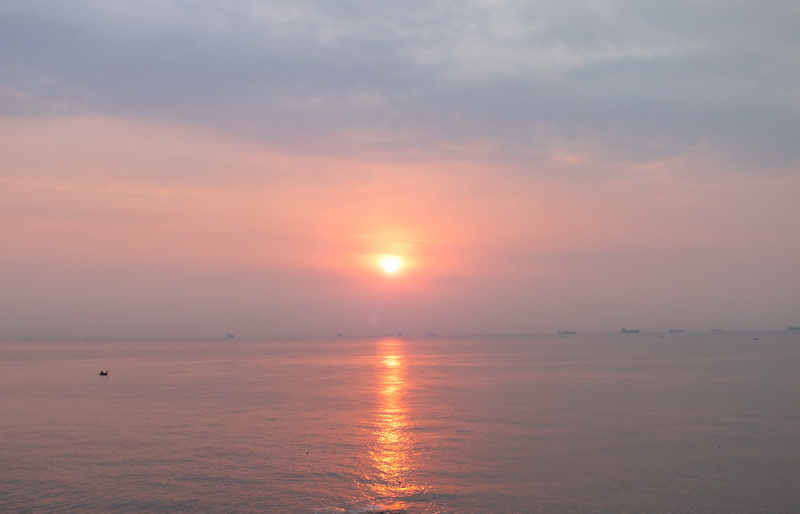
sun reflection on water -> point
(392, 452)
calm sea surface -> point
(688, 422)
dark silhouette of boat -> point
(792, 327)
(104, 373)
(629, 330)
(229, 335)
(567, 331)
(675, 330)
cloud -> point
(643, 81)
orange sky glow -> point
(84, 206)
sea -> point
(574, 423)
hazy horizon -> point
(645, 335)
(188, 169)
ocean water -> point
(684, 422)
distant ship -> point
(567, 331)
(676, 330)
(629, 330)
(229, 335)
(792, 327)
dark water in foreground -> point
(573, 423)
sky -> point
(190, 168)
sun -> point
(391, 264)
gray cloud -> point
(643, 80)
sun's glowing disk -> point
(391, 264)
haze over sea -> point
(670, 422)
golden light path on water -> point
(392, 452)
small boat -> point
(675, 330)
(792, 327)
(629, 330)
(567, 331)
(229, 335)
(104, 373)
